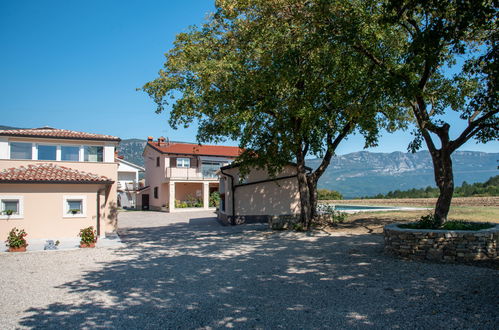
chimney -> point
(150, 138)
(161, 140)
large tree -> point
(443, 60)
(261, 72)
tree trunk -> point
(444, 179)
(312, 190)
(304, 199)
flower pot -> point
(17, 249)
(87, 245)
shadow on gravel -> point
(195, 275)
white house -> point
(128, 181)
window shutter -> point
(194, 162)
(173, 162)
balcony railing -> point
(191, 173)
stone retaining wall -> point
(442, 245)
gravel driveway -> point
(187, 271)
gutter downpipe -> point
(232, 191)
(98, 210)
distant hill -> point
(131, 150)
(367, 174)
(2, 127)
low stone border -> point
(442, 245)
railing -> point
(190, 173)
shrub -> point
(325, 194)
(88, 235)
(215, 199)
(16, 238)
(428, 222)
(329, 215)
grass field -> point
(480, 209)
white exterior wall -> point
(4, 148)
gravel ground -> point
(186, 271)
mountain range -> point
(364, 173)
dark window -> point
(156, 192)
(157, 161)
(47, 152)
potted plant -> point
(74, 211)
(16, 240)
(88, 237)
(8, 212)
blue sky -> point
(76, 65)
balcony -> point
(204, 173)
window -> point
(156, 192)
(11, 207)
(74, 206)
(93, 153)
(184, 162)
(157, 161)
(47, 152)
(20, 150)
(70, 153)
(209, 169)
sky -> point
(77, 64)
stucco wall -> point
(43, 209)
(185, 189)
(279, 197)
(109, 215)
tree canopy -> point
(265, 74)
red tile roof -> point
(195, 149)
(49, 173)
(56, 133)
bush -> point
(325, 194)
(215, 199)
(428, 222)
(329, 215)
(88, 235)
(16, 238)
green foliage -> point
(16, 238)
(190, 201)
(325, 194)
(428, 222)
(215, 199)
(8, 212)
(265, 73)
(88, 235)
(487, 188)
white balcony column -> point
(171, 195)
(206, 195)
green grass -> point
(460, 213)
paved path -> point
(187, 271)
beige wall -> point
(184, 189)
(268, 198)
(109, 214)
(43, 209)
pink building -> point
(54, 182)
(181, 176)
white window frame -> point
(20, 200)
(65, 206)
(182, 161)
